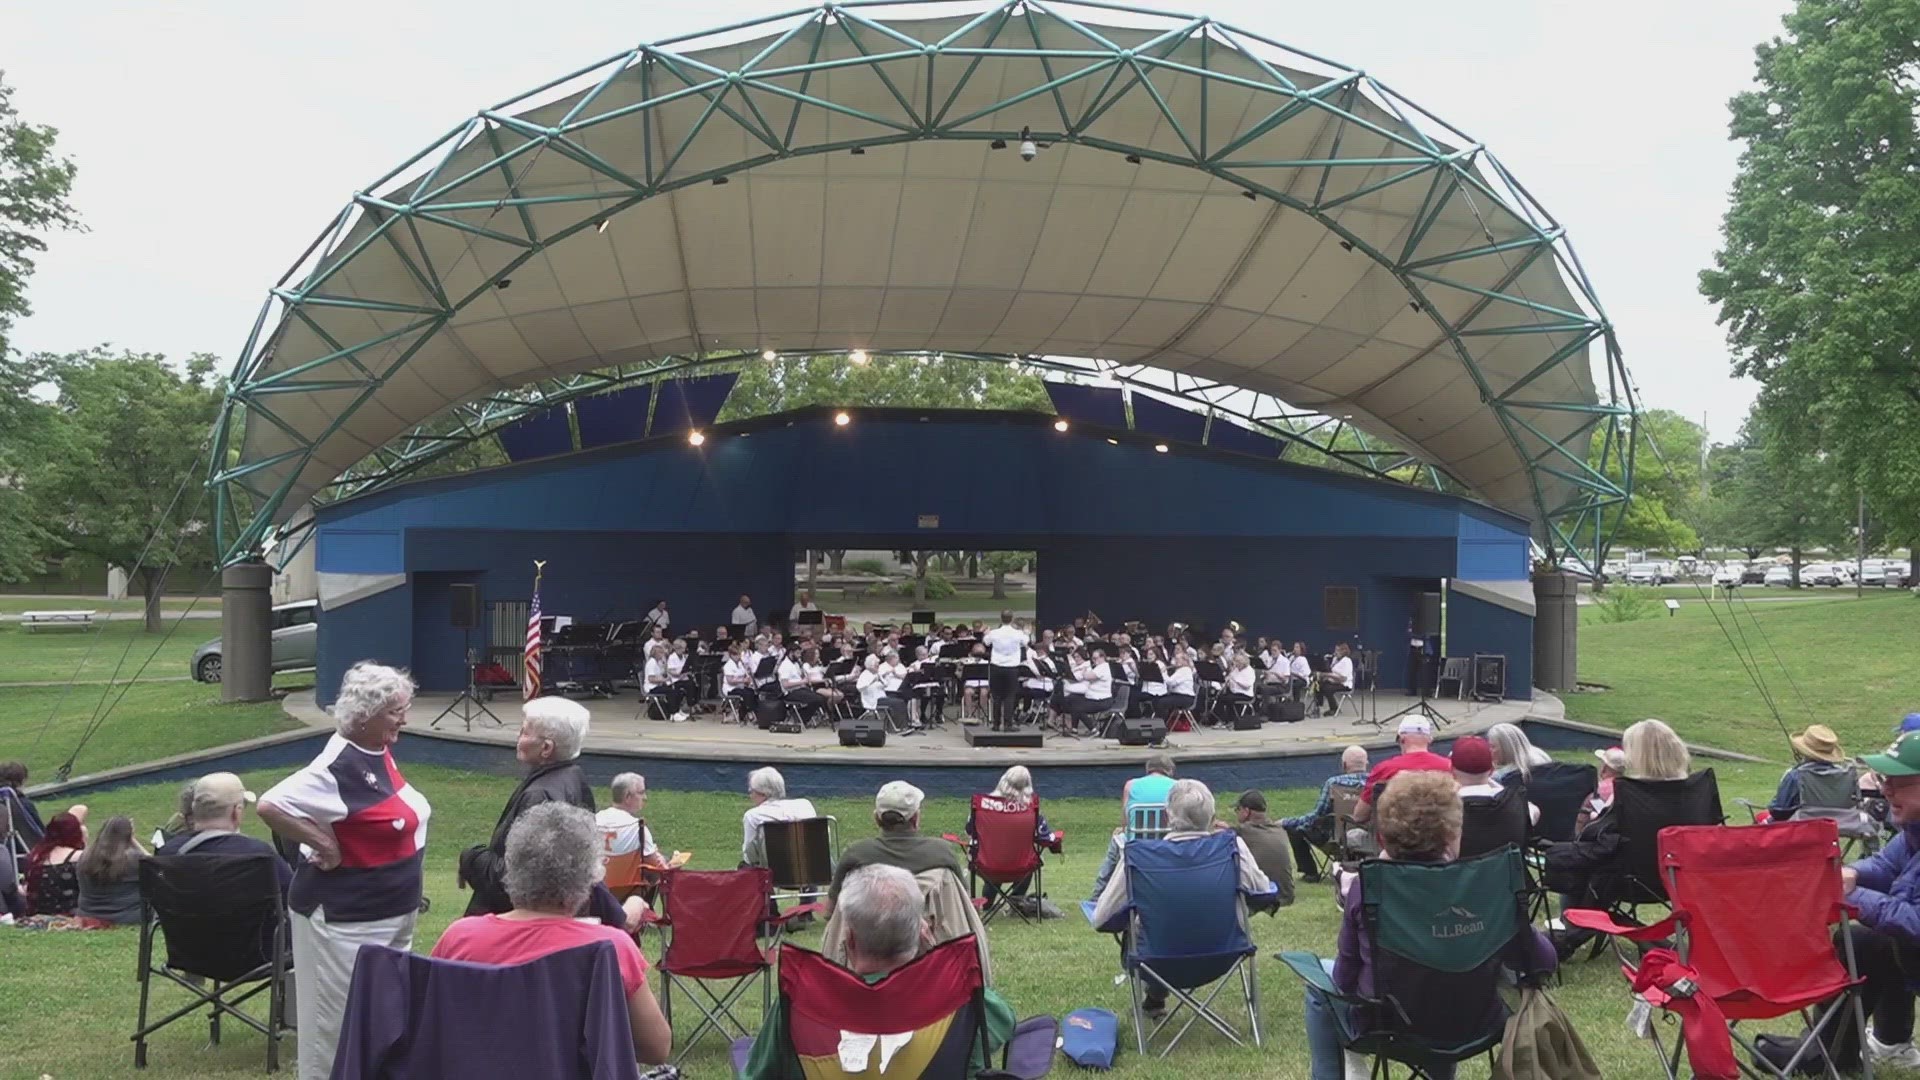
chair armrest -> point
(797, 911)
(1752, 810)
(1601, 921)
(1308, 967)
(1115, 925)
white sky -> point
(216, 138)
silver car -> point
(294, 636)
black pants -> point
(810, 701)
(896, 707)
(747, 698)
(1303, 852)
(668, 698)
(1004, 683)
(1329, 693)
(1166, 705)
(1887, 965)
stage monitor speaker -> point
(1426, 620)
(466, 606)
(863, 733)
(1144, 731)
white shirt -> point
(1180, 681)
(746, 615)
(1005, 641)
(1300, 668)
(891, 675)
(658, 616)
(1240, 681)
(751, 851)
(1343, 670)
(815, 674)
(1099, 680)
(675, 664)
(656, 673)
(869, 686)
(1278, 667)
(738, 671)
(790, 675)
(1042, 674)
(793, 613)
(1491, 790)
(622, 834)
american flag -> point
(530, 687)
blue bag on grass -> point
(1089, 1037)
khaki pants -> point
(323, 957)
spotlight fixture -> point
(769, 354)
(1060, 424)
(719, 181)
(841, 419)
(696, 437)
(998, 144)
(858, 356)
(1249, 196)
(1133, 159)
(602, 227)
(858, 151)
(1113, 442)
(1028, 148)
(1414, 304)
(503, 283)
(1159, 448)
(1346, 245)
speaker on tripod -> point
(464, 615)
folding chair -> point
(1147, 821)
(1457, 670)
(800, 857)
(1181, 929)
(1006, 854)
(714, 916)
(1560, 789)
(1835, 796)
(1440, 933)
(225, 925)
(937, 1000)
(1645, 807)
(1115, 711)
(1755, 961)
(1488, 823)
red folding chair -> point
(1006, 854)
(1752, 908)
(714, 917)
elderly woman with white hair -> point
(363, 832)
(1013, 794)
(552, 862)
(1190, 816)
(551, 731)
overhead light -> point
(998, 144)
(1414, 304)
(858, 151)
(1133, 159)
(1249, 196)
(1159, 448)
(1347, 245)
(1113, 442)
(719, 181)
(696, 437)
(1060, 424)
(841, 419)
(858, 356)
(503, 283)
(602, 227)
(769, 354)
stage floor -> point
(617, 729)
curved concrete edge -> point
(186, 764)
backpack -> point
(1089, 1038)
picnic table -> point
(63, 620)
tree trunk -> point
(920, 577)
(1752, 553)
(1794, 552)
(835, 558)
(973, 565)
(150, 582)
(999, 584)
(813, 565)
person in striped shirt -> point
(362, 831)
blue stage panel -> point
(613, 418)
(543, 434)
(1225, 435)
(1097, 405)
(686, 404)
(1153, 417)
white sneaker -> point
(680, 717)
(1905, 1054)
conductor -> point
(1008, 645)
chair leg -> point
(146, 983)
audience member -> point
(180, 821)
(767, 794)
(15, 804)
(551, 731)
(1817, 758)
(1266, 839)
(13, 905)
(1148, 790)
(886, 926)
(622, 831)
(1472, 762)
(896, 810)
(53, 866)
(1613, 764)
(550, 864)
(110, 877)
(363, 834)
(1884, 891)
(1015, 791)
(213, 809)
(1414, 735)
(1190, 809)
(1315, 828)
(1514, 754)
(1418, 820)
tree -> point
(33, 434)
(1666, 482)
(904, 381)
(1002, 563)
(1786, 495)
(34, 182)
(1818, 275)
(132, 428)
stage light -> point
(503, 283)
(719, 181)
(1113, 442)
(1028, 148)
(858, 356)
(1060, 425)
(769, 354)
(602, 227)
(1133, 159)
(859, 151)
(696, 437)
(841, 419)
(1159, 448)
(998, 144)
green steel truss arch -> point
(1433, 307)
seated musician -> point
(924, 686)
(736, 679)
(973, 693)
(1179, 685)
(1240, 680)
(1039, 678)
(1299, 669)
(681, 678)
(1277, 679)
(1094, 676)
(893, 678)
(1337, 679)
(659, 684)
(870, 686)
(815, 673)
(1153, 682)
(791, 679)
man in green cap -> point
(1885, 889)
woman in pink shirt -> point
(553, 858)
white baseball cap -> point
(1416, 725)
(899, 797)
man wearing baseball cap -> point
(1415, 735)
(1885, 889)
(896, 809)
(1472, 761)
(218, 804)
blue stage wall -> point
(1475, 626)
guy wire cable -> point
(1804, 703)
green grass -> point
(47, 655)
(154, 720)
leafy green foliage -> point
(1666, 482)
(34, 182)
(1626, 603)
(941, 383)
(938, 587)
(866, 566)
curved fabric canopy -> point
(1203, 202)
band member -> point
(736, 679)
(1041, 679)
(1153, 686)
(681, 678)
(659, 685)
(816, 675)
(744, 618)
(871, 688)
(658, 618)
(893, 675)
(1276, 681)
(794, 688)
(1008, 643)
(1240, 678)
(1094, 678)
(1179, 692)
(1300, 669)
(973, 692)
(1336, 679)
(804, 604)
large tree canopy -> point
(1818, 278)
(931, 383)
(34, 182)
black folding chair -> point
(225, 928)
(1560, 789)
(1491, 822)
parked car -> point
(1652, 573)
(1781, 576)
(1754, 574)
(1729, 575)
(1899, 574)
(1873, 572)
(295, 634)
(1832, 575)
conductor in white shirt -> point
(1008, 647)
(743, 617)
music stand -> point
(815, 617)
(920, 618)
(468, 703)
(1419, 707)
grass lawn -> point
(48, 655)
(14, 605)
(154, 720)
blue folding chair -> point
(1182, 929)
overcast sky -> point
(215, 139)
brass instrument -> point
(1092, 619)
(1234, 625)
